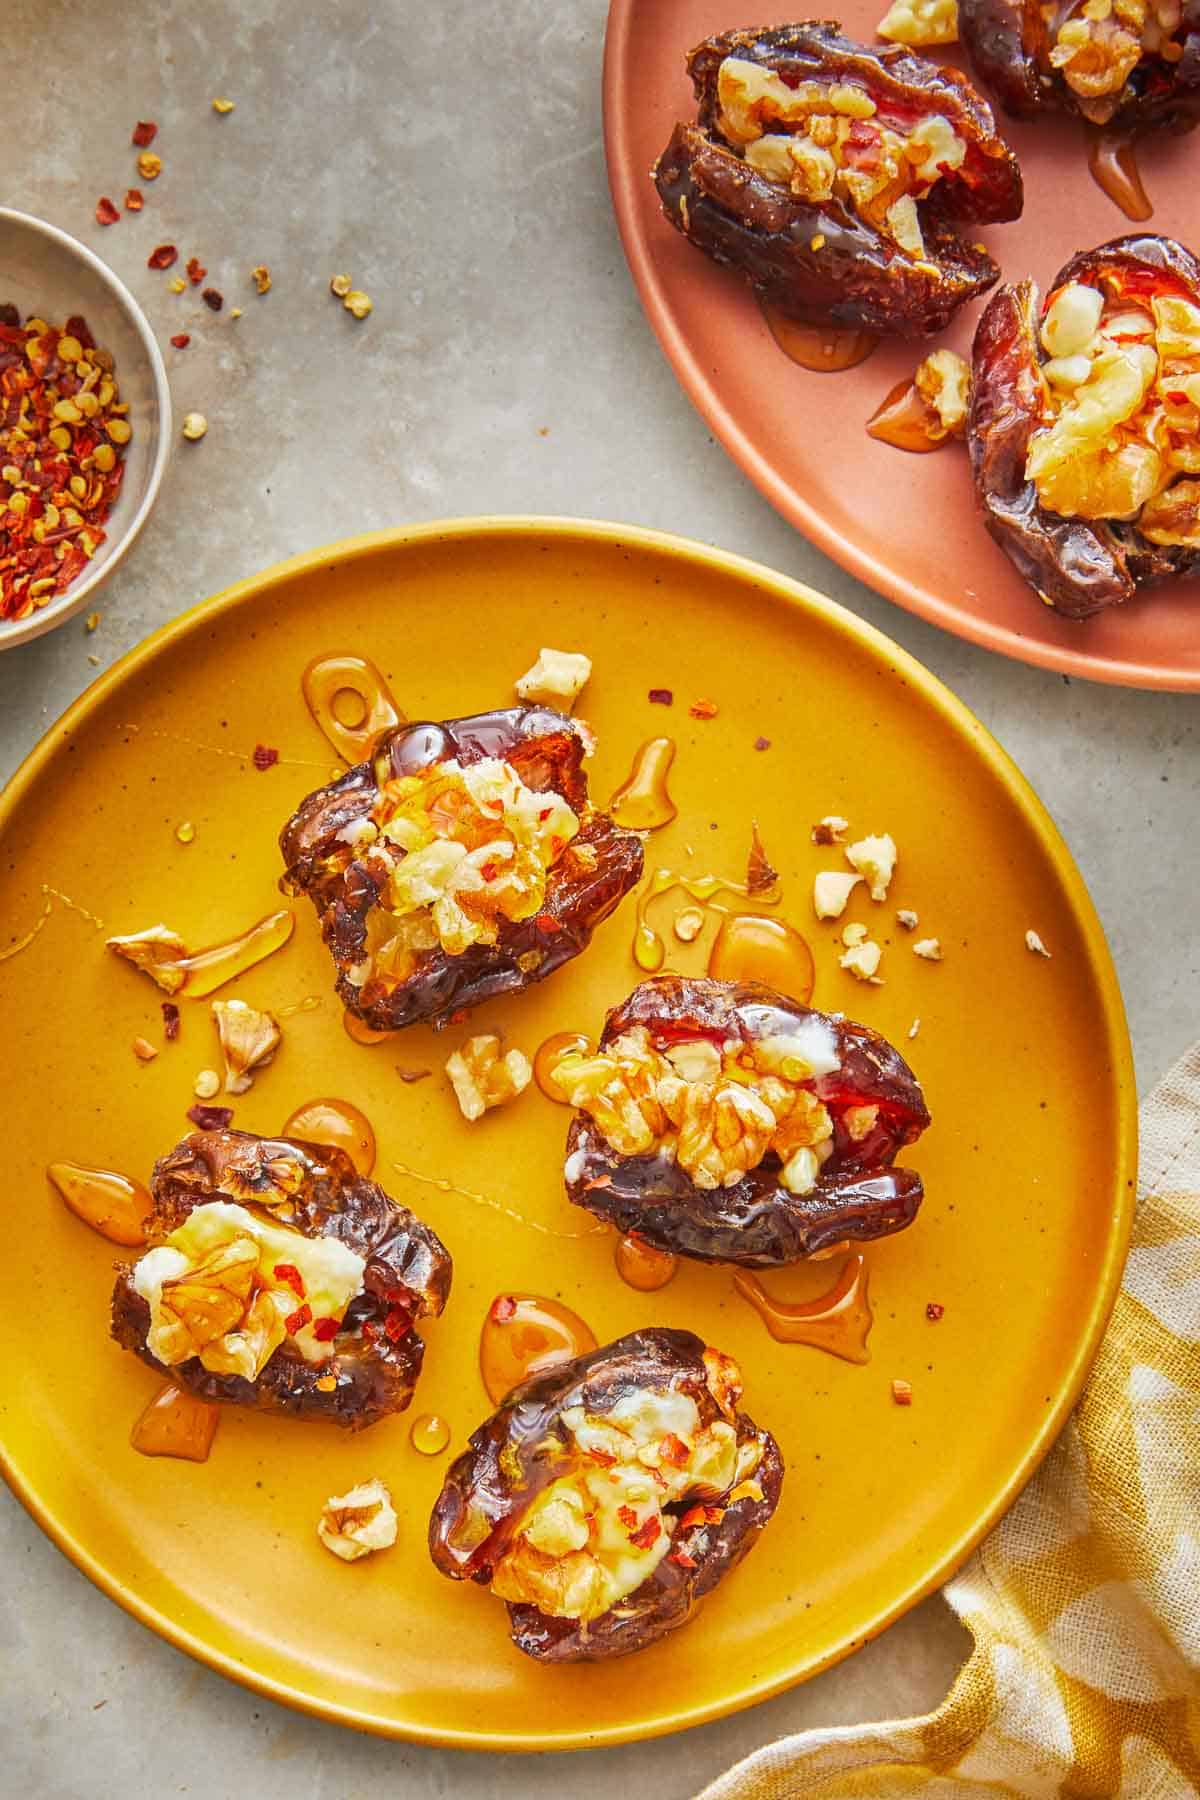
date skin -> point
(757, 1223)
(858, 277)
(316, 1189)
(1009, 42)
(524, 1446)
(547, 751)
(1078, 566)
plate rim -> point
(804, 515)
(803, 598)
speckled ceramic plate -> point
(1028, 1166)
(904, 524)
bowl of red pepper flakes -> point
(85, 425)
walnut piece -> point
(249, 1039)
(556, 679)
(831, 890)
(482, 1078)
(354, 1524)
(157, 952)
(920, 22)
(875, 858)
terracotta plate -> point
(904, 524)
(1026, 1064)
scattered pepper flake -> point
(297, 1320)
(144, 133)
(290, 1275)
(261, 277)
(628, 1517)
(195, 270)
(134, 200)
(649, 1533)
(181, 340)
(704, 709)
(340, 285)
(149, 165)
(194, 426)
(934, 1311)
(760, 876)
(661, 697)
(411, 1075)
(396, 1324)
(162, 256)
(223, 106)
(106, 212)
(547, 923)
(214, 298)
(211, 1118)
(1034, 943)
(170, 1014)
(264, 757)
(673, 1450)
(503, 1308)
(902, 1393)
(762, 743)
(144, 1050)
(358, 303)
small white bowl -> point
(46, 274)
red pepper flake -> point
(1177, 396)
(144, 133)
(134, 200)
(397, 1323)
(650, 1531)
(210, 1118)
(265, 757)
(603, 1458)
(682, 1559)
(713, 1515)
(162, 256)
(544, 814)
(673, 1450)
(106, 212)
(212, 298)
(170, 1013)
(298, 1320)
(546, 922)
(661, 697)
(693, 1516)
(290, 1274)
(489, 871)
(762, 743)
(460, 1014)
(627, 1517)
(195, 271)
(704, 709)
(934, 1311)
(902, 1393)
(181, 340)
(503, 1309)
(597, 1181)
(325, 1329)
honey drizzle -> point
(310, 1003)
(838, 1322)
(1112, 165)
(204, 971)
(359, 1032)
(490, 1204)
(328, 676)
(242, 756)
(642, 1266)
(749, 947)
(642, 802)
(649, 946)
(336, 1124)
(550, 1053)
(50, 895)
(176, 1423)
(429, 1434)
(826, 349)
(532, 1334)
(112, 1204)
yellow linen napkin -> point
(1084, 1603)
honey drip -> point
(445, 1186)
(337, 1124)
(111, 1204)
(310, 1003)
(204, 971)
(351, 702)
(906, 420)
(531, 1334)
(360, 1031)
(649, 946)
(642, 802)
(1112, 164)
(176, 1423)
(429, 1434)
(549, 1054)
(824, 348)
(642, 1266)
(838, 1321)
(749, 947)
(49, 896)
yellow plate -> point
(1028, 1167)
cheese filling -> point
(715, 1109)
(1122, 413)
(599, 1530)
(823, 141)
(230, 1288)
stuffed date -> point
(462, 861)
(280, 1278)
(609, 1495)
(723, 1121)
(1084, 426)
(1133, 65)
(830, 175)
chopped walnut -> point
(354, 1524)
(830, 830)
(249, 1039)
(144, 1050)
(907, 918)
(557, 679)
(862, 959)
(943, 380)
(831, 890)
(875, 858)
(1097, 56)
(1033, 942)
(157, 952)
(918, 23)
(482, 1078)
(929, 949)
(902, 1393)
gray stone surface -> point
(451, 158)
